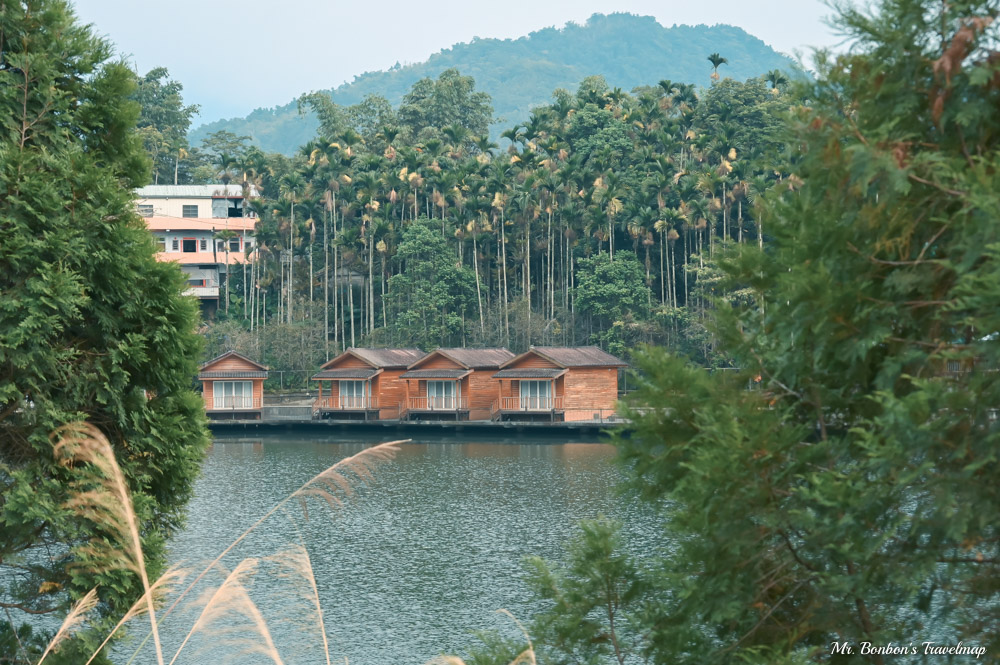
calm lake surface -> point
(409, 566)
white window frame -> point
(240, 395)
(353, 394)
(535, 395)
(443, 394)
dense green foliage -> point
(91, 326)
(665, 174)
(520, 74)
(852, 494)
(163, 124)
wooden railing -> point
(528, 404)
(235, 403)
(438, 403)
(345, 403)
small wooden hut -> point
(233, 387)
(363, 384)
(453, 384)
(557, 383)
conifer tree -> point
(854, 495)
(91, 326)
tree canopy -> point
(853, 495)
(91, 325)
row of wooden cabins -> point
(543, 383)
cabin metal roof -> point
(574, 356)
(234, 374)
(435, 374)
(529, 373)
(489, 358)
(347, 373)
(388, 358)
(233, 354)
(192, 191)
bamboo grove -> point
(598, 221)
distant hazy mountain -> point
(520, 74)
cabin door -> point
(536, 395)
(441, 394)
(352, 395)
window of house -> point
(190, 245)
(189, 211)
(536, 395)
(161, 243)
(175, 245)
(196, 282)
(232, 394)
(441, 395)
(352, 394)
(234, 244)
(203, 244)
(146, 210)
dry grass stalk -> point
(524, 658)
(160, 588)
(108, 504)
(323, 485)
(297, 562)
(232, 597)
(73, 619)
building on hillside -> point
(233, 387)
(205, 228)
(363, 384)
(557, 383)
(453, 384)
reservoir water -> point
(409, 566)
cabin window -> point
(233, 395)
(441, 395)
(175, 244)
(352, 395)
(190, 245)
(189, 211)
(536, 395)
(146, 210)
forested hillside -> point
(602, 223)
(520, 74)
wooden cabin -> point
(233, 387)
(453, 384)
(363, 384)
(558, 383)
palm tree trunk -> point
(326, 285)
(479, 293)
(371, 283)
(246, 257)
(350, 292)
(291, 262)
(527, 272)
(503, 266)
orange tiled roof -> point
(160, 223)
(190, 258)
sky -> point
(233, 57)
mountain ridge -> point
(519, 74)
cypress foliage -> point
(855, 496)
(91, 326)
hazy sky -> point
(233, 57)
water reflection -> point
(410, 566)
